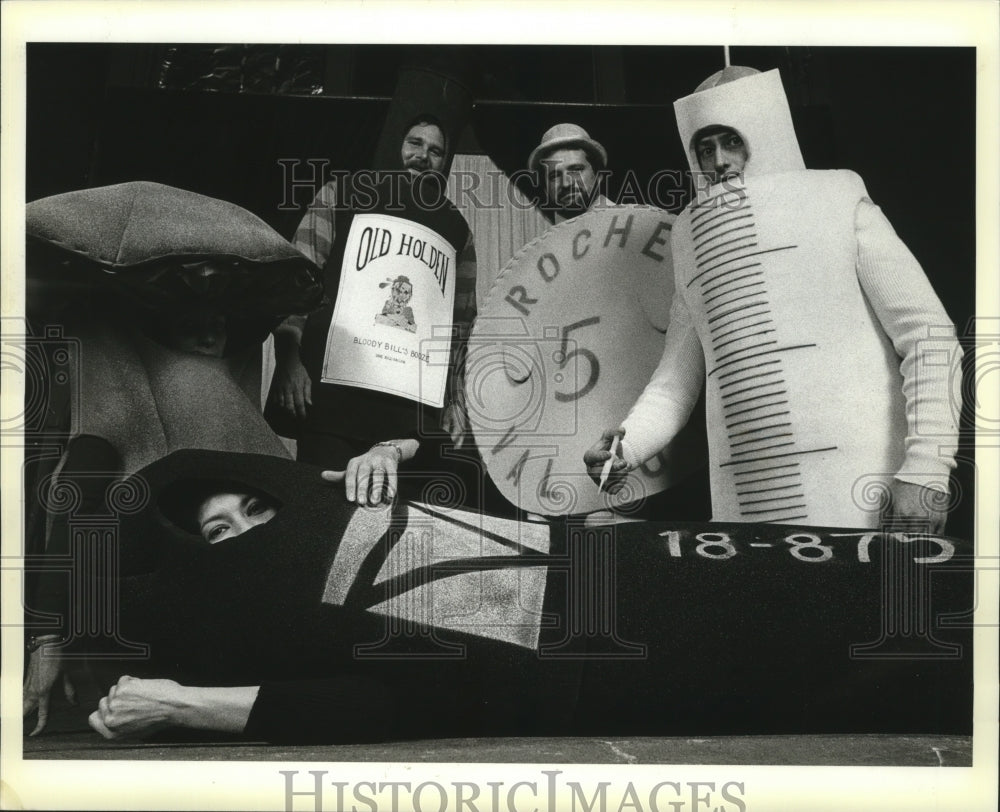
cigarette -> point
(606, 470)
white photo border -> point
(260, 785)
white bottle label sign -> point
(392, 321)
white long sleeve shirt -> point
(829, 363)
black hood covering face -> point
(243, 607)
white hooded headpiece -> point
(753, 104)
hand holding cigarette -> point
(604, 462)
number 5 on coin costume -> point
(566, 340)
(827, 358)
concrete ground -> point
(915, 751)
(69, 737)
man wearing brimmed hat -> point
(826, 356)
(571, 162)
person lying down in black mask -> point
(255, 585)
(307, 619)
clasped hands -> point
(137, 706)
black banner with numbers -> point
(736, 628)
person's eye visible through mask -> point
(223, 516)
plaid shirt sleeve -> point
(316, 232)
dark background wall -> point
(217, 119)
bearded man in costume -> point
(353, 418)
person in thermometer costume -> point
(827, 358)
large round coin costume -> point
(823, 348)
(570, 333)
